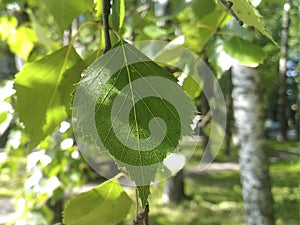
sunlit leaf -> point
(8, 25)
(107, 204)
(245, 52)
(38, 102)
(22, 41)
(98, 8)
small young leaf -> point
(38, 102)
(245, 52)
(117, 14)
(106, 204)
(250, 16)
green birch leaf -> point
(106, 204)
(250, 16)
(140, 113)
(245, 52)
(64, 11)
(117, 14)
(38, 101)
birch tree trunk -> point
(258, 201)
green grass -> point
(217, 198)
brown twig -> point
(106, 11)
(228, 5)
(205, 120)
(142, 217)
(146, 220)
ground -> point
(215, 196)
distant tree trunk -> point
(282, 103)
(174, 189)
(298, 114)
(228, 97)
(252, 157)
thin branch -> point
(139, 219)
(228, 5)
(137, 200)
(142, 217)
(106, 11)
(146, 220)
(205, 120)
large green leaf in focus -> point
(245, 52)
(250, 16)
(38, 100)
(64, 11)
(106, 204)
(133, 144)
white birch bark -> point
(255, 179)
